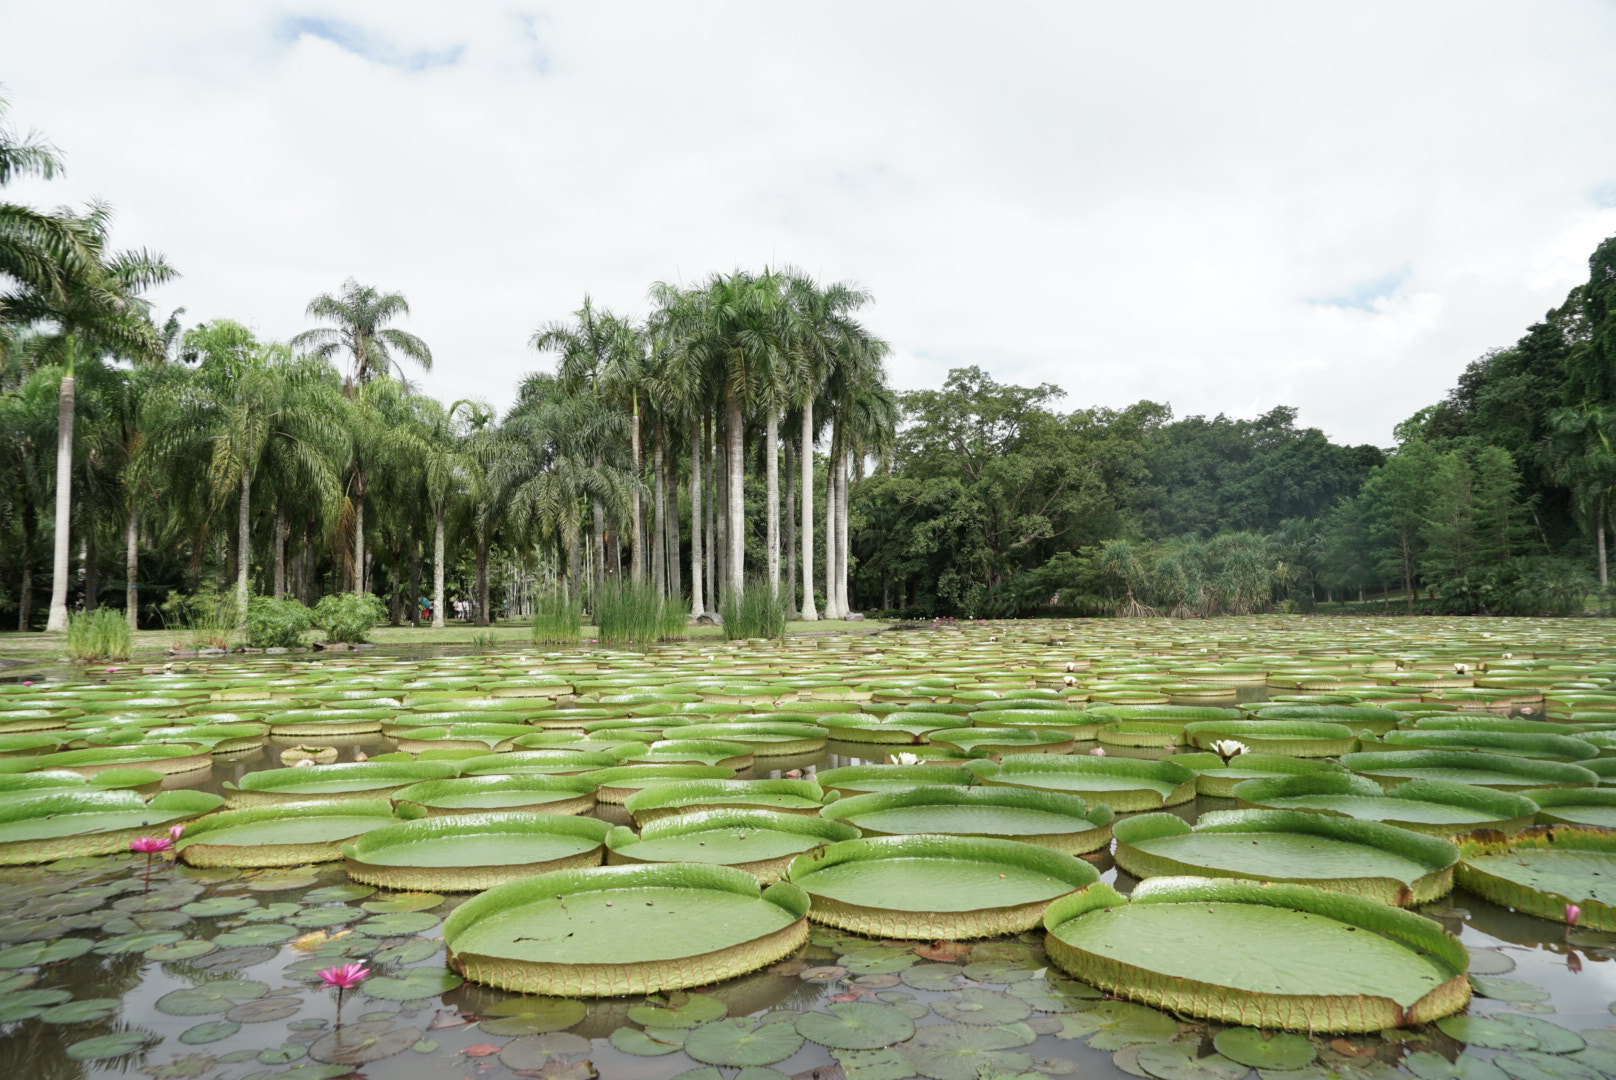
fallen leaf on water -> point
(480, 1050)
(943, 951)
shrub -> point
(276, 624)
(557, 620)
(349, 616)
(759, 612)
(102, 634)
(632, 612)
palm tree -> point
(361, 314)
(1581, 451)
(39, 253)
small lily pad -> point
(532, 1052)
(412, 984)
(693, 1011)
(185, 949)
(984, 1007)
(27, 1004)
(111, 1046)
(357, 1044)
(211, 1031)
(1490, 962)
(256, 934)
(964, 1051)
(856, 1025)
(233, 959)
(399, 923)
(1000, 971)
(283, 1055)
(1178, 1061)
(1054, 995)
(269, 912)
(1537, 1065)
(82, 1011)
(265, 1010)
(1111, 1025)
(631, 1040)
(740, 1042)
(1429, 1066)
(316, 918)
(408, 953)
(874, 1064)
(937, 977)
(1511, 990)
(218, 996)
(218, 907)
(532, 1016)
(751, 1072)
(337, 894)
(36, 953)
(282, 880)
(1263, 1049)
(400, 902)
(1507, 1032)
(139, 942)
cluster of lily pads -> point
(847, 815)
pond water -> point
(110, 967)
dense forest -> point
(740, 435)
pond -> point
(122, 965)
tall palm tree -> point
(1581, 451)
(39, 252)
(361, 314)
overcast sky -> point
(1223, 206)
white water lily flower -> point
(906, 758)
(1070, 680)
(1071, 665)
(1461, 669)
(1098, 751)
(1228, 748)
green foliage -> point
(349, 616)
(102, 634)
(276, 624)
(207, 619)
(1543, 585)
(759, 612)
(556, 620)
(633, 613)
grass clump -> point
(102, 634)
(632, 612)
(276, 624)
(207, 619)
(557, 620)
(759, 612)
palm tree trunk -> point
(833, 608)
(359, 544)
(414, 599)
(131, 568)
(637, 553)
(437, 569)
(791, 533)
(57, 621)
(88, 556)
(482, 578)
(659, 523)
(280, 551)
(676, 587)
(844, 484)
(600, 545)
(25, 594)
(574, 568)
(698, 596)
(1599, 533)
(771, 499)
(805, 454)
(243, 548)
(715, 560)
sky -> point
(1222, 206)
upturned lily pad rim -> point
(687, 792)
(1065, 868)
(1083, 817)
(1506, 806)
(425, 792)
(383, 773)
(1540, 902)
(849, 777)
(505, 823)
(1532, 773)
(197, 832)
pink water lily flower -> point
(149, 845)
(1572, 914)
(1098, 751)
(175, 832)
(345, 977)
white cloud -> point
(1226, 207)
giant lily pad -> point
(899, 728)
(1364, 858)
(1575, 806)
(555, 761)
(689, 796)
(162, 757)
(1216, 778)
(1327, 961)
(766, 739)
(473, 794)
(1542, 869)
(1124, 784)
(282, 834)
(714, 752)
(67, 822)
(616, 785)
(1438, 807)
(761, 842)
(1048, 818)
(1359, 718)
(470, 852)
(624, 929)
(1497, 771)
(1541, 744)
(1291, 738)
(858, 779)
(461, 737)
(349, 780)
(936, 887)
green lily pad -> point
(269, 912)
(964, 1051)
(36, 953)
(999, 971)
(740, 1042)
(941, 977)
(318, 918)
(359, 1043)
(410, 985)
(131, 943)
(874, 1064)
(334, 894)
(1508, 1032)
(1490, 962)
(1512, 990)
(1054, 995)
(1429, 1066)
(283, 1055)
(983, 1007)
(408, 953)
(397, 924)
(693, 1011)
(533, 1052)
(649, 1043)
(856, 1025)
(751, 1072)
(187, 949)
(1263, 1049)
(1178, 1061)
(256, 934)
(1537, 1065)
(1111, 1025)
(398, 902)
(111, 1046)
(218, 996)
(531, 1016)
(234, 959)
(27, 1004)
(82, 1011)
(265, 1010)
(211, 1031)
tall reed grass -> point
(759, 612)
(207, 619)
(556, 620)
(632, 612)
(102, 634)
